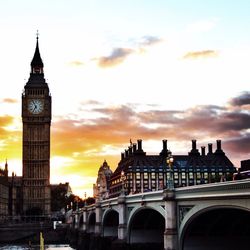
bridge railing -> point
(218, 189)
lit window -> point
(153, 183)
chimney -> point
(194, 151)
(193, 144)
(126, 153)
(203, 150)
(129, 150)
(218, 144)
(134, 148)
(164, 146)
(122, 156)
(219, 151)
(139, 145)
(210, 148)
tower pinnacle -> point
(37, 63)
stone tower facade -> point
(36, 118)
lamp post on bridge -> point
(85, 195)
(123, 178)
(170, 233)
(170, 181)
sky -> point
(120, 70)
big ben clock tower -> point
(36, 117)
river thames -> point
(27, 247)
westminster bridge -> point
(209, 216)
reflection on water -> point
(35, 247)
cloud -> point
(91, 102)
(243, 99)
(149, 40)
(9, 100)
(239, 145)
(86, 141)
(10, 140)
(4, 122)
(119, 123)
(201, 54)
(76, 63)
(117, 56)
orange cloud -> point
(85, 142)
(201, 54)
(9, 100)
(76, 63)
(10, 140)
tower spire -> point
(6, 167)
(37, 63)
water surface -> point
(36, 247)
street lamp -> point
(123, 178)
(170, 181)
(85, 195)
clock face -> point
(35, 106)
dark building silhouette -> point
(244, 171)
(4, 192)
(36, 118)
(245, 165)
(15, 195)
(152, 172)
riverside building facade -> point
(138, 172)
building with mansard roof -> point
(138, 172)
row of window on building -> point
(139, 172)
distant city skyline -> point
(121, 70)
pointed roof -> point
(37, 60)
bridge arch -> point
(91, 221)
(146, 225)
(226, 227)
(110, 223)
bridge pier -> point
(170, 234)
(77, 216)
(98, 223)
(122, 228)
(84, 217)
